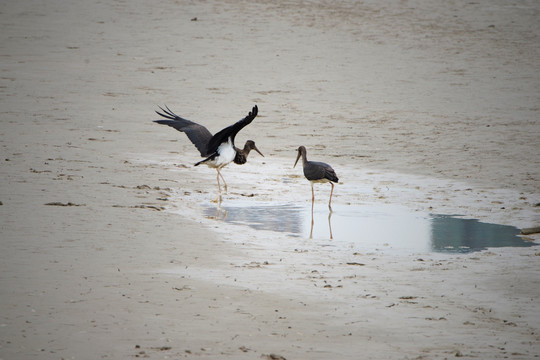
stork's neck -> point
(246, 149)
(304, 158)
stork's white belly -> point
(226, 154)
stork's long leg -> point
(218, 185)
(330, 201)
(218, 199)
(330, 224)
(224, 183)
(312, 222)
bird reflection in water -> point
(261, 216)
(290, 218)
(313, 223)
(220, 214)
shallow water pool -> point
(371, 227)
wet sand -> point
(107, 253)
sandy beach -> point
(111, 247)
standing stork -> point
(317, 172)
(218, 149)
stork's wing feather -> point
(314, 170)
(198, 134)
(330, 174)
(231, 131)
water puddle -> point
(371, 227)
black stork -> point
(218, 149)
(317, 172)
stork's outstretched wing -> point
(231, 131)
(198, 134)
